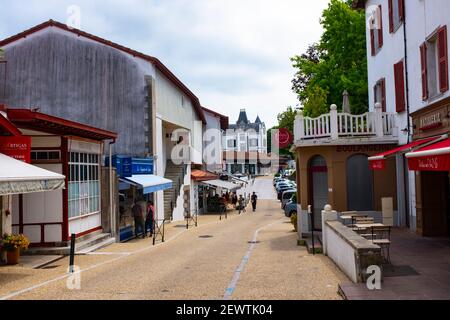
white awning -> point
(149, 183)
(17, 177)
(223, 184)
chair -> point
(381, 236)
(361, 220)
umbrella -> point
(345, 102)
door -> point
(359, 184)
(435, 203)
(318, 172)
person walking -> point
(139, 222)
(241, 203)
(254, 200)
(234, 200)
(149, 218)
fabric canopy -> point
(435, 157)
(150, 183)
(378, 162)
(200, 175)
(223, 184)
(17, 177)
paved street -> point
(213, 261)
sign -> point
(364, 148)
(430, 163)
(123, 164)
(142, 166)
(431, 122)
(18, 148)
(284, 138)
(377, 164)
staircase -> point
(175, 173)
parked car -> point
(290, 208)
(281, 190)
(287, 196)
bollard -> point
(72, 253)
(310, 211)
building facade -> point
(408, 73)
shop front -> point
(431, 166)
(137, 183)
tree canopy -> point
(336, 63)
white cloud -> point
(231, 53)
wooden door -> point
(435, 203)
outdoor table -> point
(350, 217)
(369, 225)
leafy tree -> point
(316, 103)
(337, 63)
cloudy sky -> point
(232, 54)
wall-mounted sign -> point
(129, 166)
(284, 138)
(142, 166)
(18, 148)
(431, 122)
(364, 148)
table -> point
(350, 217)
(369, 225)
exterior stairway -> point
(175, 173)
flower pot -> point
(12, 257)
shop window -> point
(434, 64)
(43, 156)
(84, 184)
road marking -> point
(122, 256)
(245, 259)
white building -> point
(408, 74)
(245, 138)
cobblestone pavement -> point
(214, 261)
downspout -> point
(112, 210)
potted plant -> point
(13, 244)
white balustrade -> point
(335, 125)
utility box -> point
(387, 205)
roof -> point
(224, 120)
(243, 119)
(34, 120)
(200, 175)
(7, 128)
(258, 120)
(158, 64)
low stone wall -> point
(351, 252)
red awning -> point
(435, 157)
(200, 175)
(378, 162)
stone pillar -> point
(379, 120)
(328, 214)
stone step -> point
(92, 241)
(104, 243)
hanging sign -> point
(284, 138)
(18, 148)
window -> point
(379, 91)
(43, 156)
(253, 143)
(231, 144)
(399, 75)
(376, 31)
(84, 184)
(396, 11)
(434, 64)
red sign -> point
(284, 138)
(377, 164)
(430, 163)
(18, 148)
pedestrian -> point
(254, 200)
(139, 222)
(234, 200)
(149, 218)
(241, 203)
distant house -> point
(244, 143)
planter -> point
(13, 257)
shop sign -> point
(123, 165)
(142, 166)
(430, 163)
(18, 148)
(377, 164)
(431, 122)
(284, 138)
(364, 148)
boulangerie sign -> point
(377, 164)
(18, 148)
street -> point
(214, 261)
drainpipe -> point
(112, 210)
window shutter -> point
(399, 74)
(372, 41)
(443, 59)
(401, 9)
(380, 31)
(391, 16)
(383, 94)
(423, 60)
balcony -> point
(336, 128)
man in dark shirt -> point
(139, 221)
(254, 200)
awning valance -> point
(200, 175)
(17, 177)
(378, 162)
(435, 157)
(149, 183)
(222, 184)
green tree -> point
(316, 103)
(337, 63)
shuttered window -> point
(399, 75)
(443, 59)
(380, 93)
(396, 13)
(376, 31)
(424, 68)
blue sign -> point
(129, 166)
(142, 166)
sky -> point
(233, 54)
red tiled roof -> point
(224, 120)
(33, 120)
(200, 175)
(159, 65)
